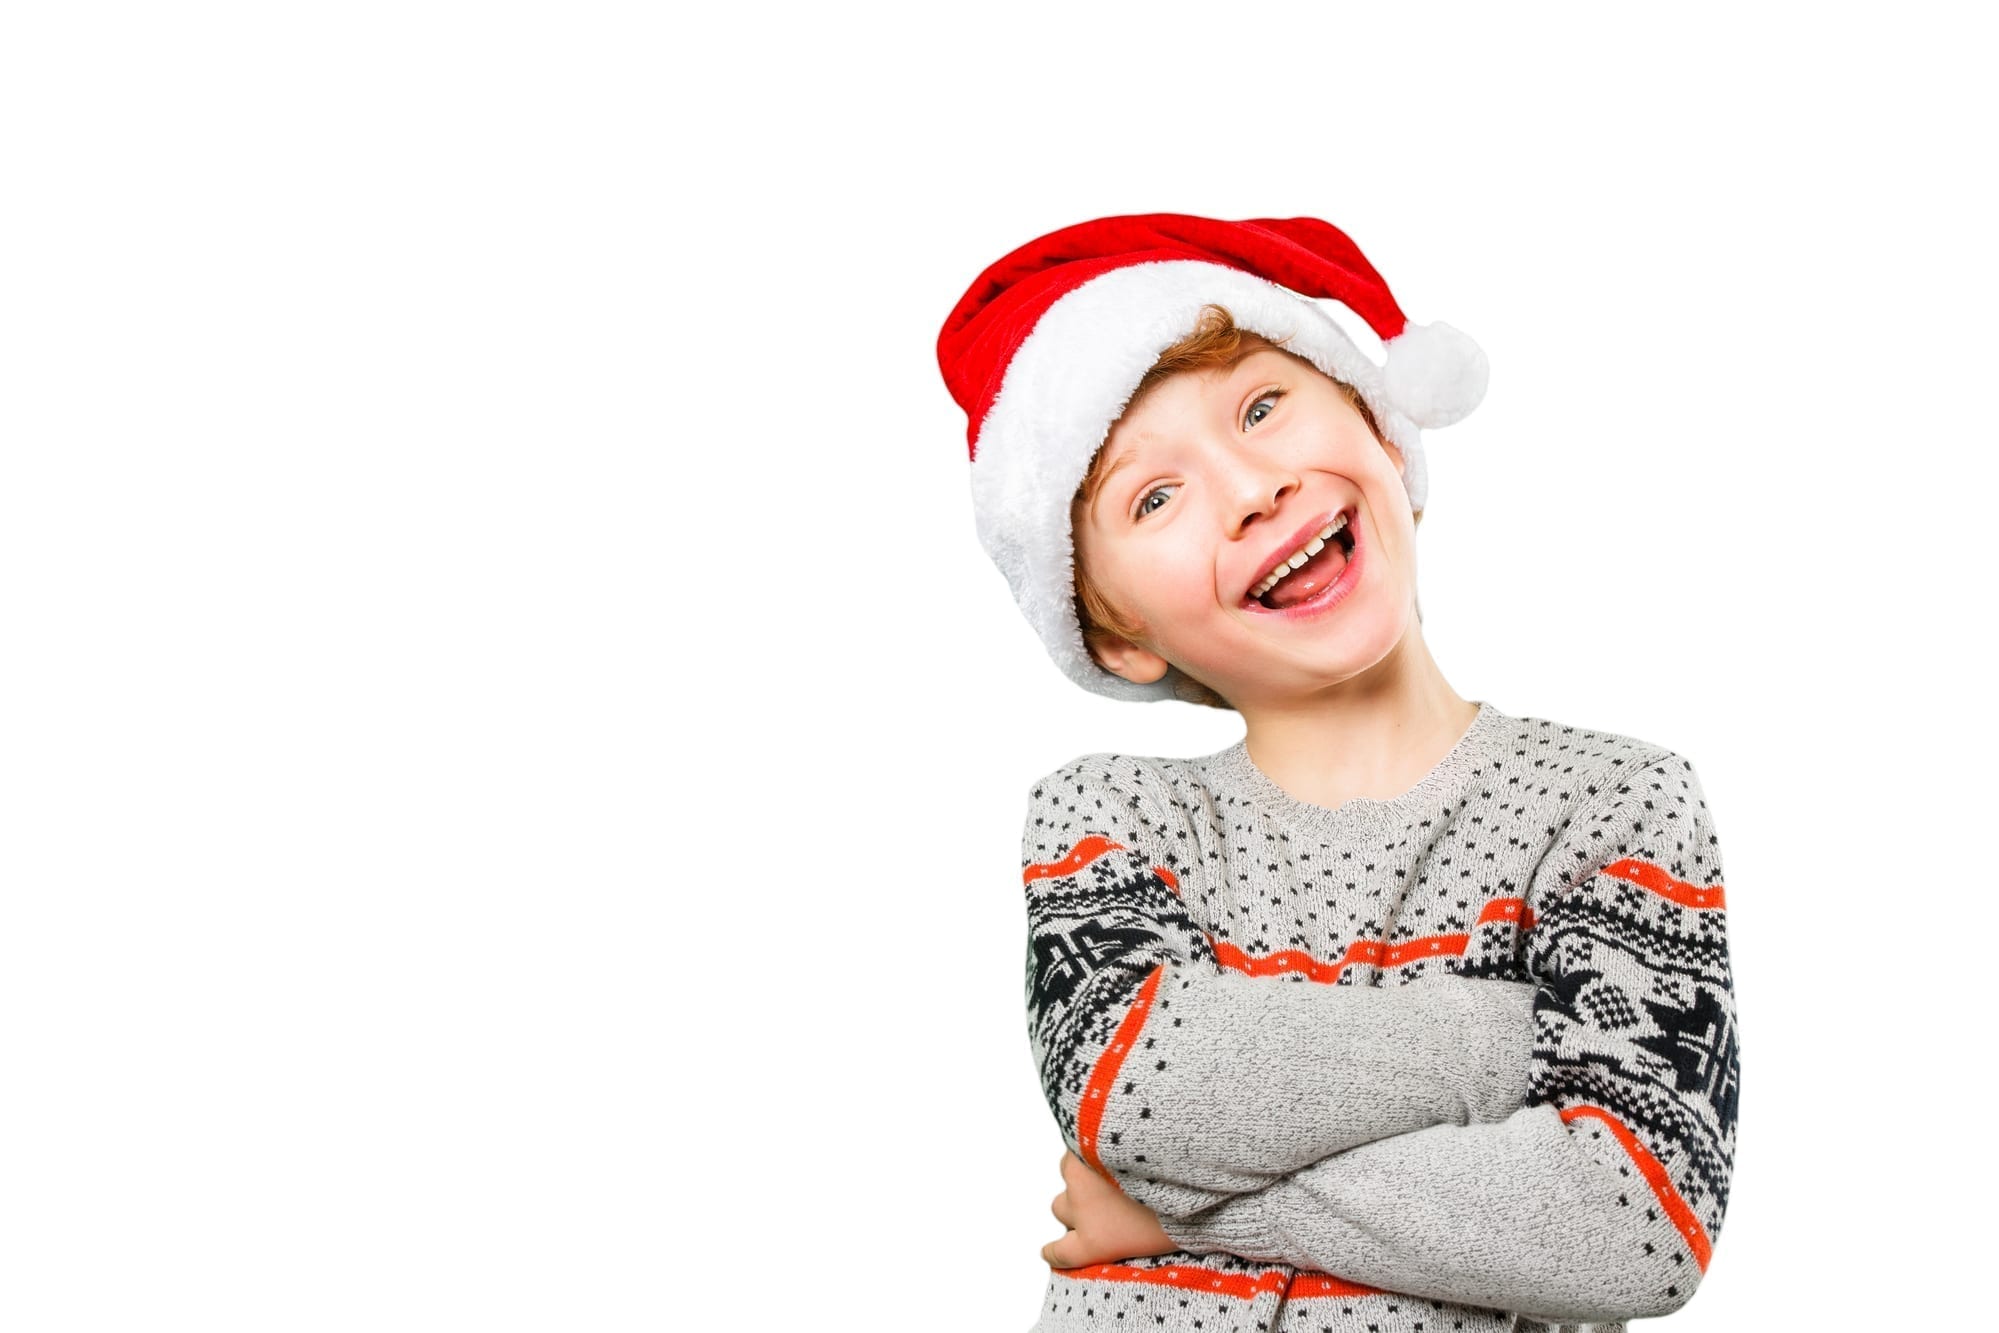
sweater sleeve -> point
(1603, 1197)
(1185, 1081)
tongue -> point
(1309, 578)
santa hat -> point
(1045, 349)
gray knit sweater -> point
(1465, 1059)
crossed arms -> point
(1559, 1147)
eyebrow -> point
(1103, 479)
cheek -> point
(1153, 586)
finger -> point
(1062, 1209)
(1055, 1252)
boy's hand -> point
(1105, 1224)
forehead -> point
(1152, 412)
(1190, 390)
(1186, 384)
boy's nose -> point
(1258, 490)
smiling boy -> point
(1402, 1010)
(1178, 525)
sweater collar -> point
(1232, 773)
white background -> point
(513, 756)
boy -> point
(1401, 1012)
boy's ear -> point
(1122, 657)
(1395, 455)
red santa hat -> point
(1045, 348)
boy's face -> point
(1224, 472)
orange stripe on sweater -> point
(1648, 876)
(1376, 953)
(1655, 1175)
(1097, 1092)
(1084, 852)
(1190, 1276)
(1508, 909)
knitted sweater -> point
(1465, 1059)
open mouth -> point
(1309, 572)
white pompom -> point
(1435, 374)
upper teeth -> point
(1299, 557)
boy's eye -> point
(1250, 418)
(1145, 499)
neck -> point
(1372, 736)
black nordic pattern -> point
(1636, 1008)
(1094, 935)
(1699, 1039)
